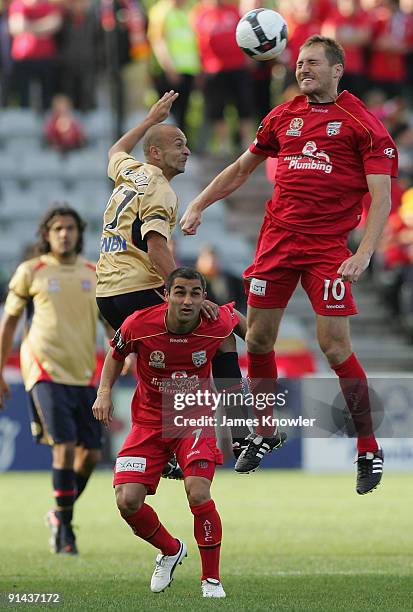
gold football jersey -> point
(142, 201)
(60, 343)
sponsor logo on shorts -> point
(258, 286)
(130, 464)
(335, 306)
(199, 358)
(333, 128)
(295, 127)
(194, 452)
(156, 359)
(389, 152)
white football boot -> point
(212, 588)
(164, 568)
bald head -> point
(165, 146)
(160, 136)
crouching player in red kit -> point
(169, 339)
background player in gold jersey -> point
(135, 260)
(57, 291)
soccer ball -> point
(262, 34)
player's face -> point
(315, 77)
(63, 235)
(174, 153)
(185, 300)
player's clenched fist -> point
(190, 221)
(103, 407)
(351, 269)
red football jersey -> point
(164, 358)
(324, 153)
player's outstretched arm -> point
(103, 406)
(157, 113)
(225, 183)
(8, 326)
(380, 190)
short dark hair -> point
(334, 51)
(187, 273)
(58, 210)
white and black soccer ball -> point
(262, 34)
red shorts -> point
(284, 257)
(145, 453)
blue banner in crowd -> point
(17, 449)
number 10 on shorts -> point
(338, 289)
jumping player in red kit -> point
(154, 335)
(331, 150)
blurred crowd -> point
(55, 53)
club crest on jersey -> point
(53, 285)
(295, 127)
(199, 358)
(333, 128)
(156, 359)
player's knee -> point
(128, 501)
(90, 460)
(64, 455)
(198, 493)
(259, 341)
(335, 352)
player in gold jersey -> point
(135, 260)
(58, 359)
(140, 216)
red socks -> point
(353, 383)
(262, 371)
(207, 530)
(146, 524)
(208, 534)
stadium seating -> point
(32, 177)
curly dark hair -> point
(58, 210)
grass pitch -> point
(291, 542)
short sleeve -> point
(266, 142)
(120, 343)
(157, 208)
(119, 162)
(19, 291)
(378, 151)
(229, 317)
